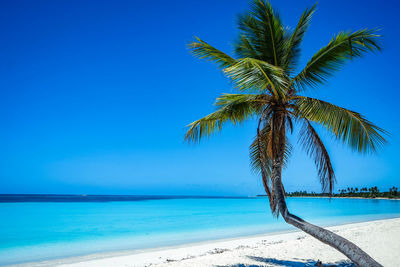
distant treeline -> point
(372, 192)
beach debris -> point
(242, 247)
(189, 257)
(218, 251)
(276, 242)
(319, 264)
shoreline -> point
(186, 254)
(384, 198)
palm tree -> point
(394, 189)
(269, 90)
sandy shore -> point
(381, 239)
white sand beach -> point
(378, 238)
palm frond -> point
(293, 45)
(261, 160)
(259, 156)
(262, 28)
(255, 75)
(245, 48)
(232, 107)
(203, 50)
(349, 126)
(331, 58)
(315, 148)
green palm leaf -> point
(349, 126)
(293, 45)
(235, 108)
(203, 50)
(255, 75)
(245, 48)
(315, 148)
(332, 57)
(262, 28)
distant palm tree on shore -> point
(270, 91)
(363, 193)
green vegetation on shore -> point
(372, 192)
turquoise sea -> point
(50, 227)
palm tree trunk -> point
(354, 253)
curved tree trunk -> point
(354, 253)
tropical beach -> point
(180, 133)
(284, 249)
(289, 249)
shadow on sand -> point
(293, 263)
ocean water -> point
(46, 228)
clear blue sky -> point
(95, 96)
